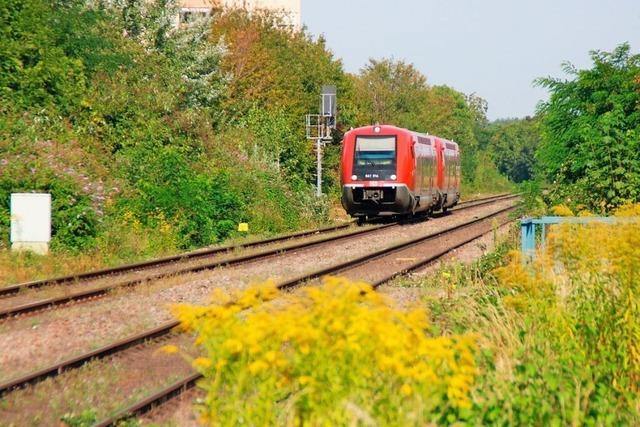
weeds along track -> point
(33, 297)
(159, 262)
(377, 267)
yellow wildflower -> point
(169, 349)
(201, 363)
(340, 328)
(304, 380)
(234, 346)
(257, 367)
(271, 356)
(406, 390)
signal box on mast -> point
(320, 127)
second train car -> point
(388, 170)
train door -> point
(417, 180)
(430, 166)
(452, 160)
(457, 171)
(432, 170)
(440, 172)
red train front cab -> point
(377, 171)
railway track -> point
(188, 382)
(351, 265)
(181, 263)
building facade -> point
(290, 10)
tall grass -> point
(558, 338)
(123, 241)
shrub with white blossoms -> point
(187, 45)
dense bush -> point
(34, 68)
(203, 207)
(128, 111)
(182, 133)
(591, 131)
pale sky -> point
(495, 48)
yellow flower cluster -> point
(326, 355)
(587, 281)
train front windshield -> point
(375, 157)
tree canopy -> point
(591, 130)
(512, 144)
(395, 92)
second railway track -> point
(16, 303)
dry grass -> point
(16, 267)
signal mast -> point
(320, 127)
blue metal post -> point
(528, 238)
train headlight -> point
(354, 177)
(393, 177)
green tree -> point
(591, 130)
(34, 69)
(512, 144)
(394, 92)
(391, 92)
(274, 78)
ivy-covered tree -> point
(591, 130)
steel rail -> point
(337, 268)
(167, 328)
(150, 402)
(127, 268)
(158, 398)
(101, 291)
(428, 260)
(41, 304)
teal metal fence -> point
(529, 230)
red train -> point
(388, 170)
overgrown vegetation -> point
(139, 129)
(554, 342)
(557, 337)
(153, 138)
